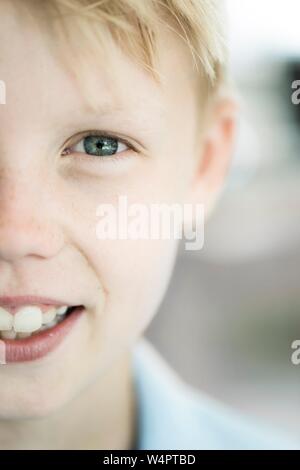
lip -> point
(17, 301)
(39, 345)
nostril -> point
(34, 239)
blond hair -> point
(135, 24)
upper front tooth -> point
(6, 320)
(61, 310)
(28, 319)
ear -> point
(216, 148)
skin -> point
(82, 394)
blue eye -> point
(98, 146)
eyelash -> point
(117, 156)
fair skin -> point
(81, 395)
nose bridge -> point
(25, 225)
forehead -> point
(46, 75)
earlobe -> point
(216, 154)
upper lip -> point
(16, 301)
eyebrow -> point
(124, 112)
(93, 107)
(104, 108)
(139, 129)
(110, 104)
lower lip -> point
(39, 345)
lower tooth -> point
(11, 334)
(50, 324)
(23, 335)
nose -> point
(26, 225)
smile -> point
(30, 331)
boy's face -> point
(50, 190)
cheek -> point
(135, 275)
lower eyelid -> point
(84, 164)
(85, 157)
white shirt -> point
(174, 415)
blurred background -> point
(232, 309)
